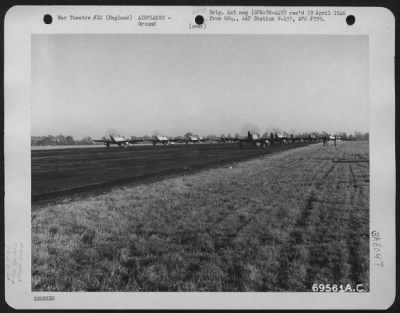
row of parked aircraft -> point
(251, 138)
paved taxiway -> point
(59, 172)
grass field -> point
(276, 223)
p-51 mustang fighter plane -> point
(190, 138)
(114, 140)
(227, 139)
(154, 140)
(278, 138)
(123, 142)
(161, 139)
(263, 141)
(304, 138)
(254, 139)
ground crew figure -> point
(335, 140)
(324, 141)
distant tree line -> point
(59, 140)
(343, 135)
(355, 136)
(69, 140)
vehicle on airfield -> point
(335, 137)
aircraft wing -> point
(262, 140)
(209, 139)
(102, 140)
(243, 139)
(178, 139)
(136, 140)
(228, 139)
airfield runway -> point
(65, 171)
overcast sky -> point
(85, 85)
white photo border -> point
(21, 22)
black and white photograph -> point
(235, 157)
(188, 163)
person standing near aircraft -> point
(325, 140)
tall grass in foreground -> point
(278, 223)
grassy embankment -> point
(278, 223)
